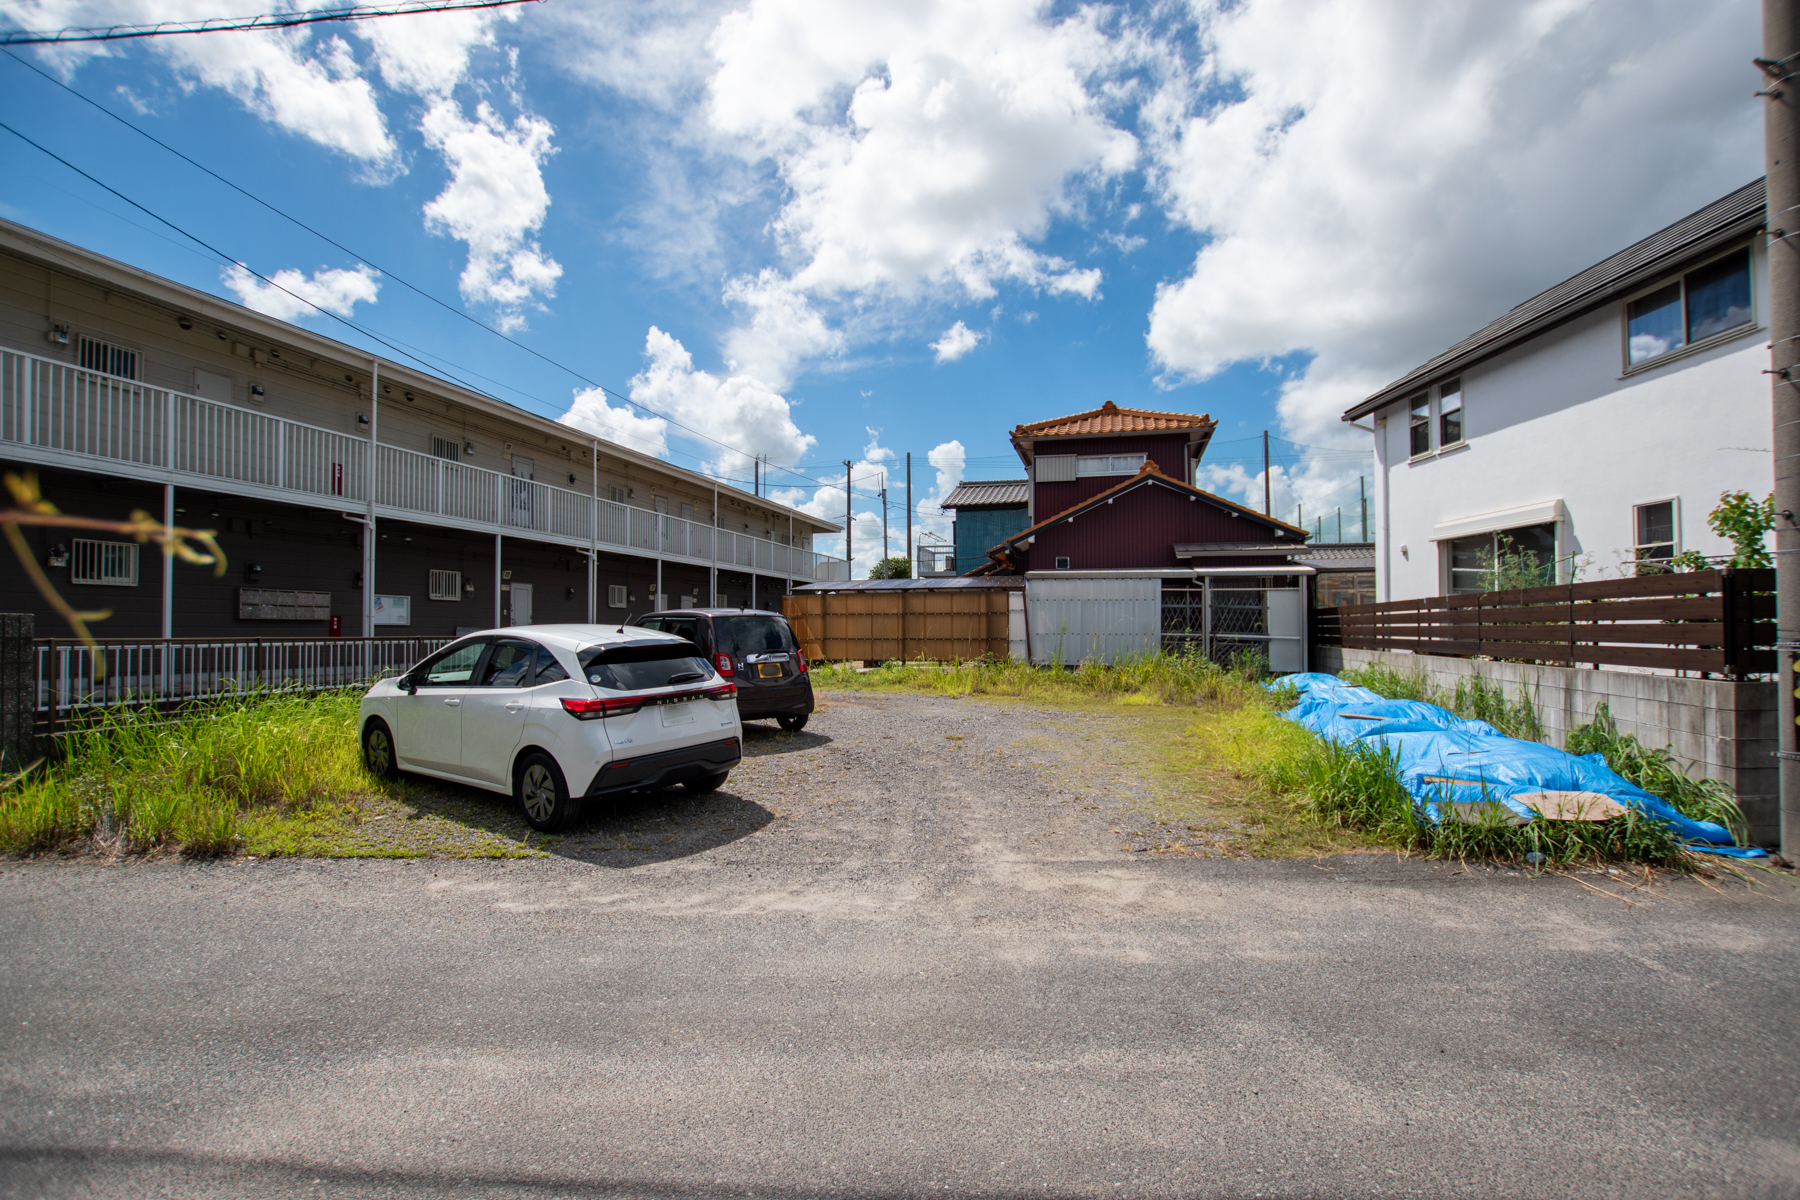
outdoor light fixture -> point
(361, 420)
(252, 572)
(571, 594)
(468, 447)
(59, 555)
(469, 586)
(184, 322)
(571, 477)
(256, 389)
(58, 335)
(409, 397)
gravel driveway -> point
(902, 954)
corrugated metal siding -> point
(1074, 619)
(978, 530)
(1168, 453)
(1139, 531)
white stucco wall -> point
(1555, 419)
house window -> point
(111, 564)
(1450, 414)
(1109, 464)
(446, 585)
(1421, 423)
(1062, 563)
(445, 448)
(1655, 535)
(615, 595)
(113, 360)
(618, 495)
(1054, 468)
(1712, 300)
(1502, 559)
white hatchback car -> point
(557, 714)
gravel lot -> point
(902, 953)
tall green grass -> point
(1359, 787)
(1660, 773)
(140, 781)
(1177, 679)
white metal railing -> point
(57, 407)
(160, 673)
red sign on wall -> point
(337, 479)
(337, 627)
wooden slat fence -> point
(1718, 622)
(957, 624)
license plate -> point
(768, 670)
(678, 714)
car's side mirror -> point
(409, 685)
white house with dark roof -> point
(1594, 426)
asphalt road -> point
(901, 955)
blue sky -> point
(819, 231)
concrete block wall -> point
(1725, 730)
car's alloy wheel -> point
(793, 724)
(543, 797)
(378, 751)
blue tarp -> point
(1445, 760)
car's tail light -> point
(606, 706)
(725, 668)
(800, 658)
(719, 691)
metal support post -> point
(909, 506)
(1780, 62)
(368, 620)
(497, 580)
(847, 520)
(1267, 493)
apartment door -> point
(521, 604)
(524, 496)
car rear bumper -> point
(793, 699)
(667, 768)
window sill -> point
(1699, 347)
(1453, 447)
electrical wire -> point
(286, 20)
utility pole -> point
(1780, 62)
(909, 550)
(1340, 519)
(884, 535)
(847, 518)
(1267, 511)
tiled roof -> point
(1713, 227)
(1340, 556)
(993, 493)
(1110, 418)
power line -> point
(284, 20)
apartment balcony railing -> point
(88, 419)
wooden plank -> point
(1686, 583)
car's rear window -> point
(631, 666)
(739, 636)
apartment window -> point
(448, 449)
(1504, 558)
(446, 585)
(1062, 563)
(1703, 303)
(1655, 532)
(618, 495)
(1054, 468)
(112, 360)
(1421, 424)
(111, 564)
(1109, 464)
(615, 595)
(1450, 413)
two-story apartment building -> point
(351, 494)
(1589, 429)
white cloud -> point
(495, 199)
(289, 295)
(957, 341)
(591, 413)
(428, 54)
(738, 410)
(1395, 177)
(784, 329)
(305, 84)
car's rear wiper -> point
(686, 676)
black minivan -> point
(755, 650)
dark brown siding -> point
(1168, 452)
(1139, 529)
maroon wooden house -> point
(1112, 490)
